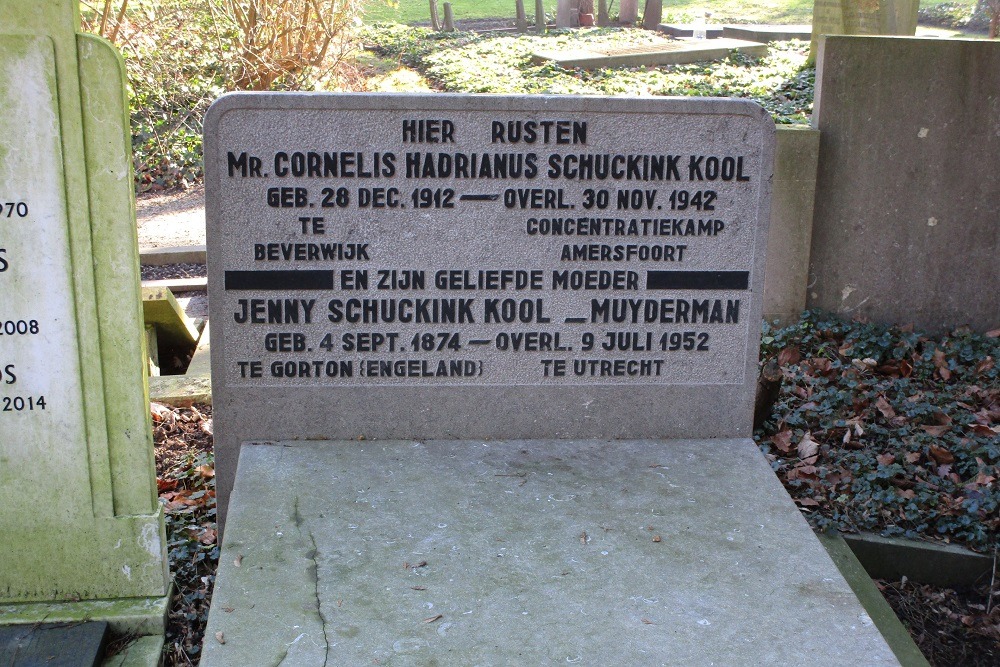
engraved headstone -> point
(78, 510)
(390, 267)
(862, 17)
(487, 365)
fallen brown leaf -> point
(656, 538)
(883, 406)
(434, 618)
(219, 637)
(789, 355)
(985, 365)
(238, 561)
(941, 455)
(783, 440)
(808, 448)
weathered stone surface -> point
(765, 33)
(668, 53)
(687, 30)
(862, 17)
(55, 644)
(526, 553)
(907, 203)
(681, 393)
(78, 510)
(790, 232)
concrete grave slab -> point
(669, 53)
(526, 553)
(174, 328)
(687, 30)
(375, 524)
(765, 33)
(53, 644)
(862, 17)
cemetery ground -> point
(874, 429)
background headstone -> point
(863, 17)
(907, 196)
(78, 510)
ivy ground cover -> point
(886, 429)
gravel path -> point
(171, 219)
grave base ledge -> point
(140, 616)
(526, 552)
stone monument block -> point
(863, 17)
(487, 366)
(388, 267)
(78, 509)
(907, 199)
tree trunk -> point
(652, 14)
(522, 19)
(628, 11)
(434, 15)
(602, 13)
(564, 14)
(768, 389)
(539, 16)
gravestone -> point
(672, 52)
(82, 530)
(483, 374)
(862, 17)
(903, 209)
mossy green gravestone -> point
(82, 532)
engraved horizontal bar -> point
(697, 280)
(279, 280)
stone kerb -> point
(78, 510)
(507, 288)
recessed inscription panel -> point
(354, 243)
(40, 413)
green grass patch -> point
(731, 11)
(472, 63)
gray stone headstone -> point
(489, 267)
(441, 428)
(905, 228)
(862, 17)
